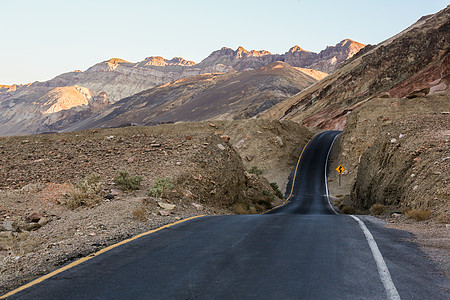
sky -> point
(44, 38)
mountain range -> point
(73, 96)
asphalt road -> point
(302, 250)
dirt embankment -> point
(40, 231)
(396, 152)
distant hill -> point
(235, 95)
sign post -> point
(340, 169)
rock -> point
(115, 192)
(197, 206)
(179, 163)
(279, 141)
(31, 226)
(155, 145)
(396, 215)
(43, 221)
(384, 95)
(166, 206)
(418, 93)
(164, 212)
(109, 196)
(34, 217)
(221, 147)
(33, 187)
(225, 138)
(9, 225)
(239, 144)
(250, 157)
(394, 140)
(401, 135)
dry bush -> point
(349, 210)
(255, 170)
(240, 209)
(161, 187)
(377, 209)
(140, 214)
(85, 193)
(418, 214)
(127, 182)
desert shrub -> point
(266, 193)
(349, 210)
(140, 214)
(161, 187)
(275, 187)
(263, 205)
(377, 209)
(241, 208)
(418, 214)
(127, 182)
(85, 192)
(255, 170)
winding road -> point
(301, 250)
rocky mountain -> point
(326, 61)
(234, 95)
(413, 63)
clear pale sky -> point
(44, 38)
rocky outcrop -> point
(415, 59)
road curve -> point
(301, 250)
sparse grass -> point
(85, 193)
(418, 214)
(140, 214)
(377, 209)
(161, 187)
(275, 187)
(349, 210)
(127, 182)
(255, 170)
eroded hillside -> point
(415, 59)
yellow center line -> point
(86, 258)
(293, 180)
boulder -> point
(34, 217)
(166, 206)
(9, 225)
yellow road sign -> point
(340, 169)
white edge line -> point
(383, 271)
(326, 178)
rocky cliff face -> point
(415, 59)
